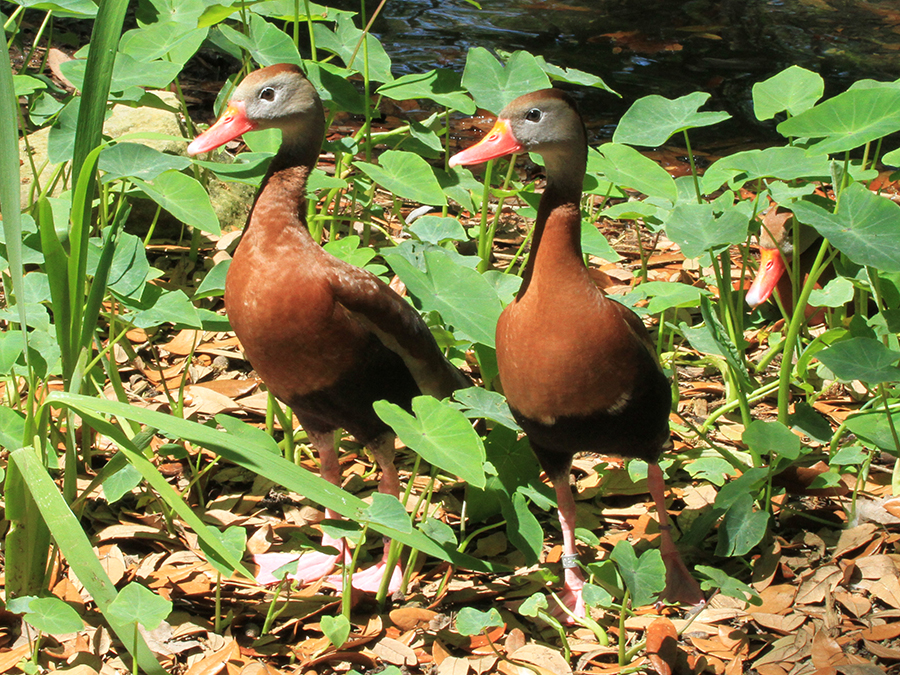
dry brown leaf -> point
(854, 603)
(865, 668)
(779, 623)
(787, 650)
(515, 640)
(826, 651)
(887, 590)
(662, 646)
(439, 652)
(259, 668)
(542, 657)
(215, 663)
(885, 631)
(876, 567)
(483, 664)
(207, 401)
(776, 599)
(815, 586)
(231, 388)
(395, 652)
(183, 343)
(453, 665)
(12, 657)
(408, 618)
(853, 538)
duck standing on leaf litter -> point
(579, 370)
(327, 338)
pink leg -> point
(680, 585)
(574, 581)
(369, 580)
(311, 565)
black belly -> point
(639, 429)
(378, 374)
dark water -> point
(662, 47)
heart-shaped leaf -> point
(494, 85)
(652, 120)
(848, 120)
(861, 358)
(866, 226)
(794, 90)
(440, 434)
(407, 176)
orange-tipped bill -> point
(229, 126)
(498, 143)
(771, 267)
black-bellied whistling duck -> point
(578, 369)
(327, 338)
(776, 250)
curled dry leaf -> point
(259, 668)
(409, 618)
(453, 665)
(394, 652)
(548, 660)
(215, 662)
(662, 646)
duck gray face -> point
(277, 96)
(545, 122)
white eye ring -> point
(267, 94)
(534, 115)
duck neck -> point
(556, 247)
(281, 202)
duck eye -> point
(533, 115)
(267, 94)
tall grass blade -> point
(77, 549)
(9, 185)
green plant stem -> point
(623, 612)
(519, 253)
(468, 540)
(690, 154)
(218, 607)
(534, 669)
(312, 35)
(484, 255)
(486, 245)
(793, 333)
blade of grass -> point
(272, 466)
(77, 549)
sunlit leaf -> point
(645, 577)
(441, 86)
(626, 167)
(471, 621)
(794, 90)
(136, 159)
(652, 120)
(183, 197)
(441, 435)
(336, 629)
(848, 120)
(52, 616)
(861, 358)
(866, 226)
(389, 511)
(345, 41)
(405, 175)
(742, 528)
(493, 85)
(267, 44)
(771, 437)
(138, 604)
(464, 298)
